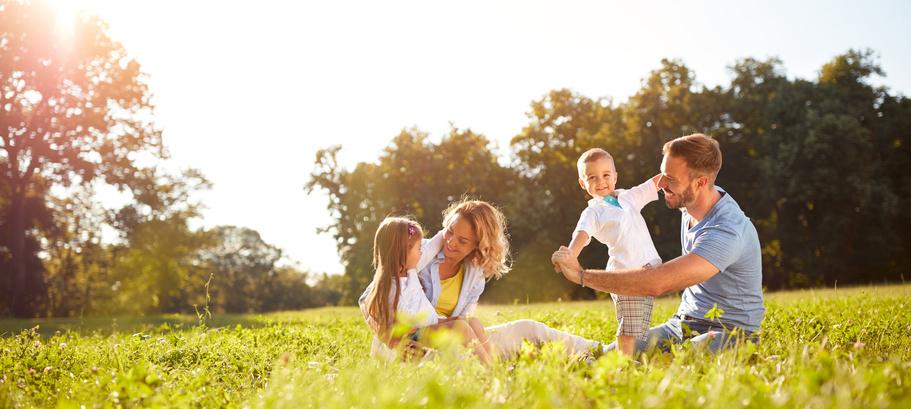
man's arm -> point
(675, 275)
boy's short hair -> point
(592, 155)
(701, 154)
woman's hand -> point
(411, 350)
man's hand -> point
(565, 261)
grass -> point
(820, 349)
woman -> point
(475, 250)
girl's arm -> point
(430, 249)
(362, 302)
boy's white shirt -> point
(413, 304)
(623, 230)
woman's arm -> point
(471, 300)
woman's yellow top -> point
(449, 293)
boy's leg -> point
(634, 316)
(661, 337)
(507, 338)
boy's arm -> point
(580, 240)
(645, 192)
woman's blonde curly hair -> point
(489, 225)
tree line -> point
(817, 165)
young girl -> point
(396, 298)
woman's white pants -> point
(507, 338)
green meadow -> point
(820, 349)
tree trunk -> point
(17, 305)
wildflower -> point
(859, 345)
(711, 334)
(63, 345)
(836, 326)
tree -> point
(243, 270)
(826, 201)
(70, 111)
(77, 260)
(562, 125)
(411, 176)
(158, 269)
(666, 107)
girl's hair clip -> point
(411, 228)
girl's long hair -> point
(489, 224)
(390, 253)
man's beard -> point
(680, 200)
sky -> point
(247, 92)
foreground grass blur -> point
(825, 349)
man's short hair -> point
(592, 155)
(701, 154)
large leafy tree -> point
(822, 187)
(73, 108)
(412, 176)
(668, 105)
(562, 125)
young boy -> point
(613, 217)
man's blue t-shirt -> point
(727, 239)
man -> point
(721, 262)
